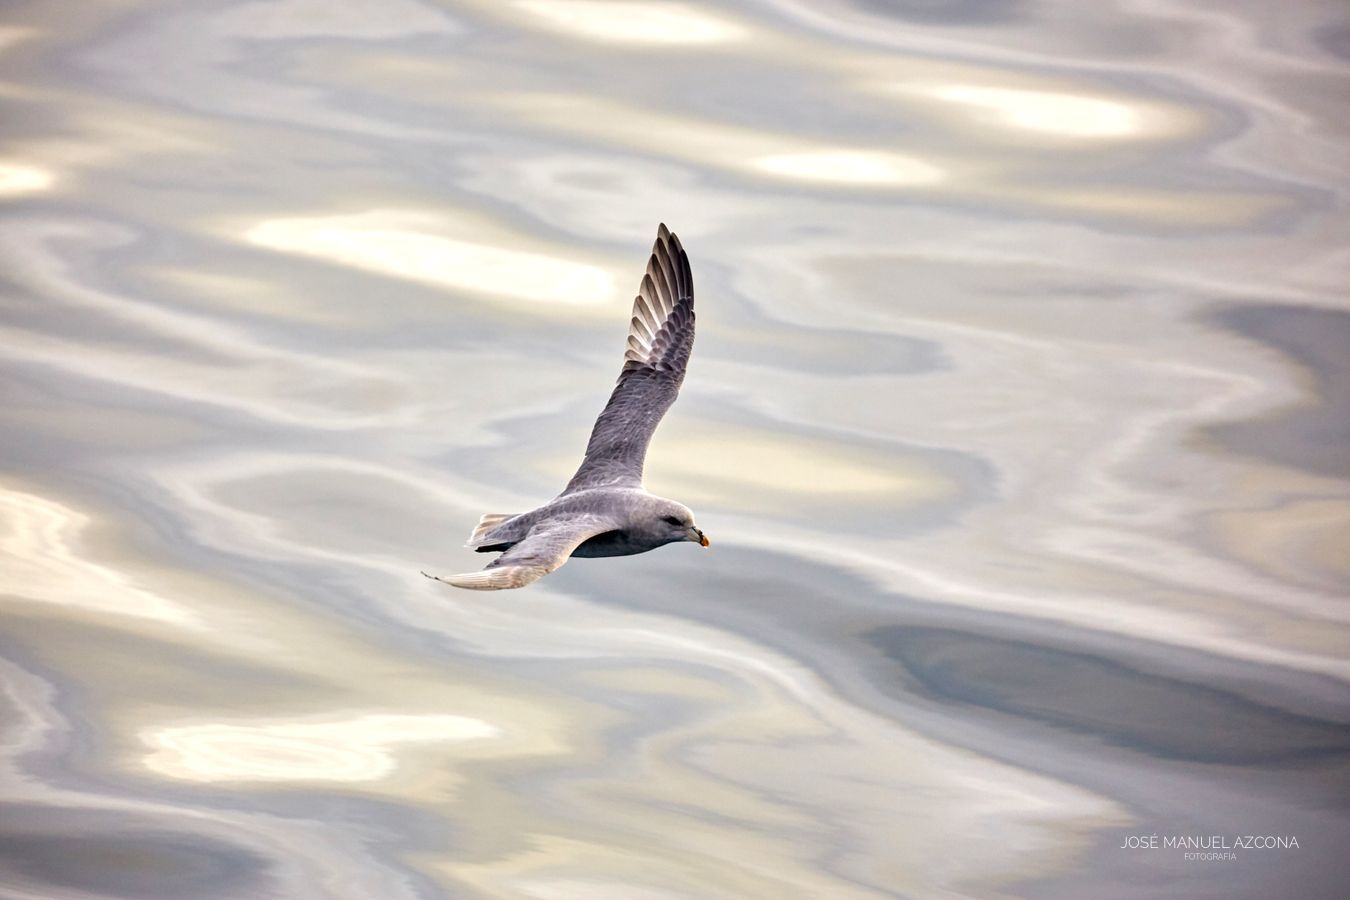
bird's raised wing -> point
(546, 547)
(660, 338)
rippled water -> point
(1018, 419)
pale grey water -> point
(1018, 419)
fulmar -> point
(605, 510)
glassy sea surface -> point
(1019, 420)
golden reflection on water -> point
(21, 178)
(40, 541)
(358, 749)
(402, 244)
(1057, 112)
(849, 167)
(641, 23)
(1042, 111)
(725, 145)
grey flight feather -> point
(660, 337)
(604, 510)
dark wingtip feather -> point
(662, 308)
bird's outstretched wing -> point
(546, 547)
(659, 340)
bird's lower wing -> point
(545, 548)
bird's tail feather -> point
(495, 578)
(488, 522)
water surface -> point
(1018, 421)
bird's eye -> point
(671, 520)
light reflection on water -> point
(407, 246)
(1017, 420)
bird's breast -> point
(613, 543)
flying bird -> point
(605, 510)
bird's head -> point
(677, 524)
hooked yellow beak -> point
(698, 537)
